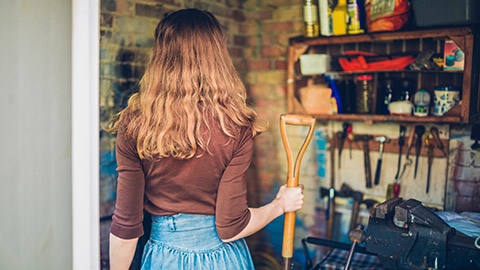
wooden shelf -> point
(387, 118)
(466, 37)
(382, 36)
(387, 71)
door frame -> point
(85, 134)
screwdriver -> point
(408, 160)
(419, 130)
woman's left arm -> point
(121, 252)
(127, 217)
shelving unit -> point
(389, 43)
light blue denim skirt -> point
(190, 241)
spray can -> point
(325, 14)
(310, 17)
(354, 17)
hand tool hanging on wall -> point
(438, 142)
(382, 140)
(366, 158)
(331, 194)
(408, 160)
(341, 141)
(401, 142)
(292, 181)
(419, 130)
(357, 197)
(393, 190)
(431, 145)
(350, 137)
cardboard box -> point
(453, 57)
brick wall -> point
(463, 192)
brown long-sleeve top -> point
(212, 184)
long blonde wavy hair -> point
(190, 78)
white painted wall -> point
(35, 134)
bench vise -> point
(407, 235)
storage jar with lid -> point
(364, 94)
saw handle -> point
(292, 180)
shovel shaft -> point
(292, 180)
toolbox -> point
(446, 12)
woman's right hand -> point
(290, 199)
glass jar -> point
(364, 94)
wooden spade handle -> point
(292, 180)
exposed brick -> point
(240, 40)
(260, 15)
(125, 55)
(238, 16)
(157, 11)
(281, 3)
(467, 203)
(108, 5)
(276, 27)
(258, 64)
(143, 41)
(281, 64)
(259, 90)
(108, 53)
(273, 52)
(122, 39)
(105, 36)
(466, 188)
(249, 53)
(298, 26)
(271, 77)
(251, 78)
(283, 39)
(267, 41)
(280, 90)
(128, 24)
(236, 52)
(138, 71)
(239, 64)
(123, 6)
(251, 41)
(106, 20)
(234, 3)
(249, 28)
(124, 71)
(288, 14)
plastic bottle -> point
(354, 17)
(387, 96)
(364, 94)
(325, 15)
(406, 90)
(335, 98)
(422, 103)
(339, 16)
(310, 17)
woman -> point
(184, 144)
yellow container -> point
(339, 16)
